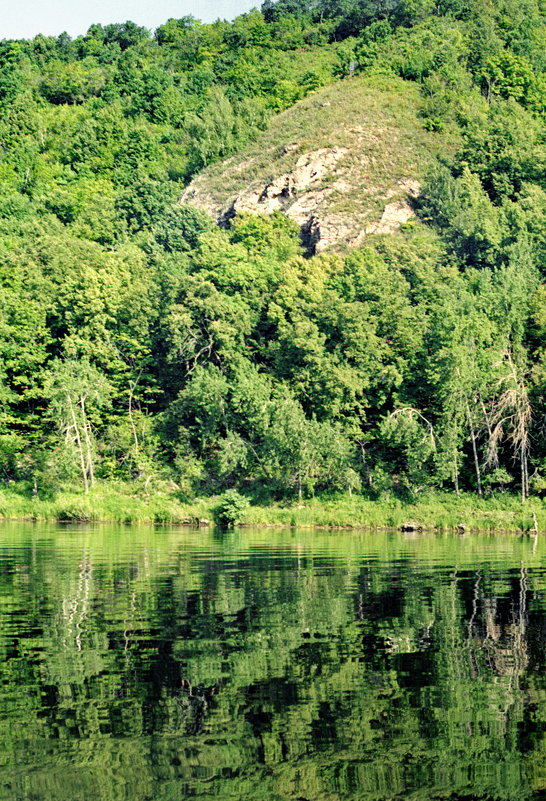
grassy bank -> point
(118, 503)
(441, 511)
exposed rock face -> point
(302, 195)
(296, 193)
(283, 193)
(350, 170)
(397, 213)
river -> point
(143, 664)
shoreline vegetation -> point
(434, 511)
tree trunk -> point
(90, 470)
(79, 443)
(524, 475)
(133, 427)
(474, 450)
(365, 466)
(487, 421)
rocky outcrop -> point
(397, 213)
(298, 193)
(283, 193)
(303, 194)
(343, 165)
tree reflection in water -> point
(163, 664)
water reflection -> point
(142, 664)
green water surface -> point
(262, 666)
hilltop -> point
(343, 163)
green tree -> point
(77, 393)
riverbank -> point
(105, 503)
(435, 511)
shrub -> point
(74, 512)
(230, 510)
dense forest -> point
(141, 343)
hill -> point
(142, 343)
(344, 162)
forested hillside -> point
(142, 343)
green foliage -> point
(230, 509)
(505, 149)
(72, 83)
(140, 342)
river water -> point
(144, 664)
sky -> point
(24, 19)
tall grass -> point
(124, 503)
(116, 503)
(440, 511)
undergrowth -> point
(120, 503)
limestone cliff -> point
(344, 163)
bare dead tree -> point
(74, 434)
(474, 438)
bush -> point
(230, 510)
